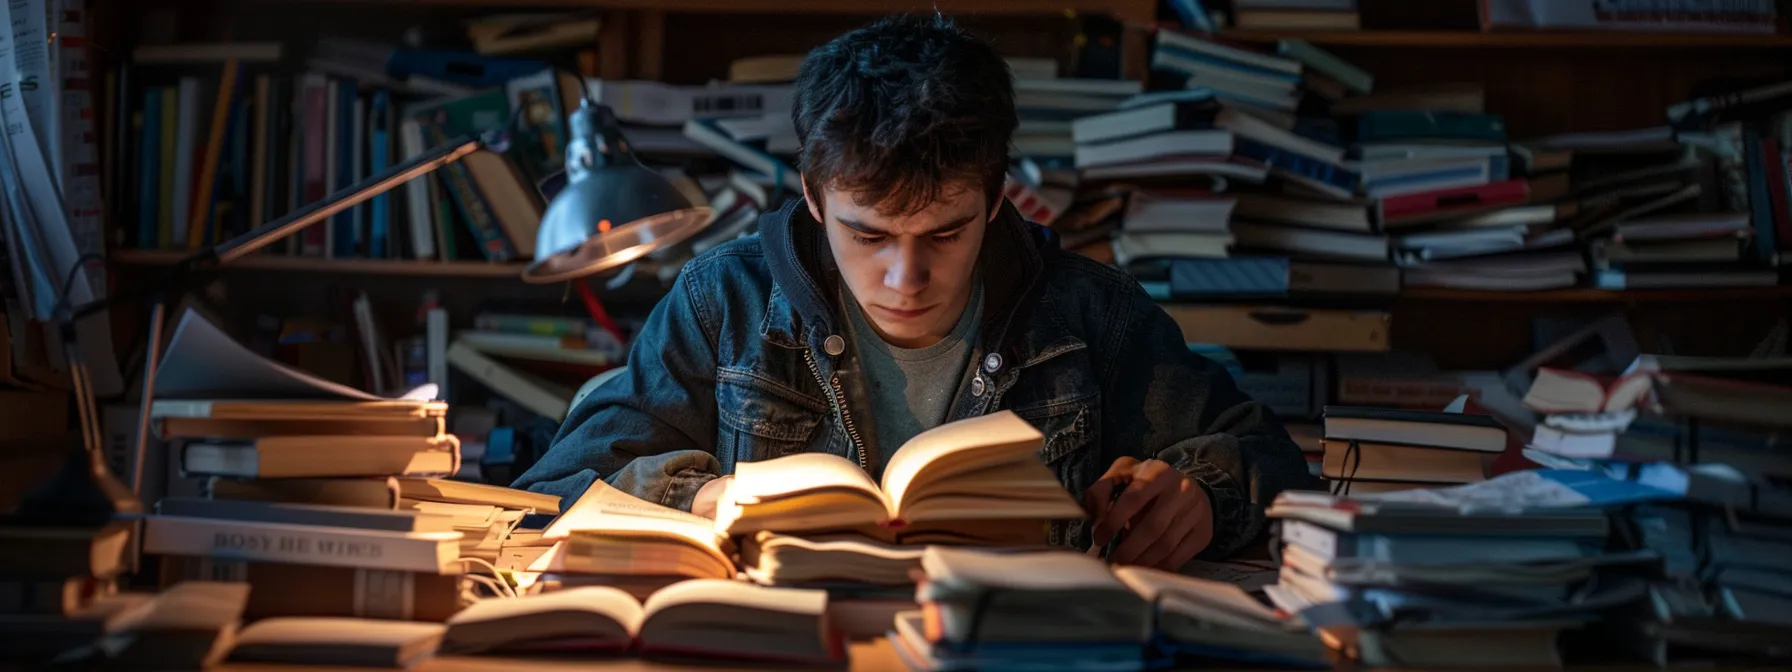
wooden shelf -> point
(1462, 39)
(1591, 295)
(392, 267)
(1142, 12)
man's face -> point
(910, 274)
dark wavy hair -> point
(903, 110)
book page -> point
(738, 594)
(994, 438)
(202, 361)
(755, 482)
(605, 509)
(611, 602)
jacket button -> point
(992, 363)
(977, 386)
(834, 345)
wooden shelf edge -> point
(1139, 11)
(1460, 39)
(1591, 295)
(394, 267)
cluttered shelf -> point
(1465, 39)
(276, 262)
(1143, 11)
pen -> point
(1114, 543)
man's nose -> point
(907, 273)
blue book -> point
(1307, 170)
(378, 158)
(343, 223)
(1760, 205)
(149, 172)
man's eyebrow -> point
(945, 228)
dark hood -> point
(1013, 260)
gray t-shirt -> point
(911, 390)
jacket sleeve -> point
(649, 431)
(1165, 402)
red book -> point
(1775, 164)
(1429, 206)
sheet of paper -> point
(202, 362)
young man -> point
(902, 293)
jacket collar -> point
(1015, 261)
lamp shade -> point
(612, 211)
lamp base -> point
(81, 493)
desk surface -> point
(870, 656)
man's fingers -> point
(1138, 494)
(1097, 499)
(1188, 514)
(1190, 546)
(1148, 535)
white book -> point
(708, 135)
(435, 326)
(430, 552)
(1175, 40)
(186, 143)
(1155, 146)
(416, 193)
(1331, 244)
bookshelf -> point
(1142, 12)
(388, 267)
(1591, 295)
(1463, 39)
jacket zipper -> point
(835, 393)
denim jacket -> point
(743, 361)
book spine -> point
(416, 196)
(379, 157)
(297, 544)
(1396, 207)
(342, 225)
(1320, 174)
(314, 166)
(1777, 182)
(1759, 202)
(531, 324)
(200, 206)
(1392, 125)
(150, 173)
(473, 208)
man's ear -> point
(814, 205)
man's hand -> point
(1166, 515)
(704, 504)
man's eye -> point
(867, 240)
(949, 238)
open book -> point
(707, 618)
(965, 481)
(608, 531)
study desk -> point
(868, 656)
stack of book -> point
(1052, 610)
(1372, 450)
(312, 484)
(1679, 250)
(1708, 433)
(1047, 105)
(59, 588)
(1480, 576)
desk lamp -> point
(605, 184)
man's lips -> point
(903, 314)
